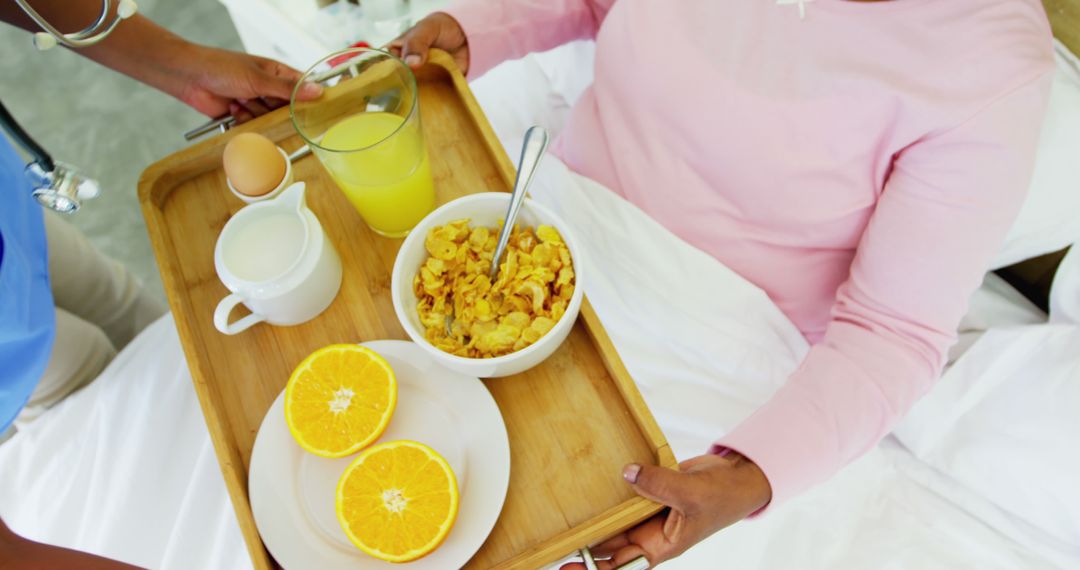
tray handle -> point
(639, 563)
(220, 124)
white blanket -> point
(125, 469)
(1065, 292)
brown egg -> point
(253, 164)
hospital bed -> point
(980, 475)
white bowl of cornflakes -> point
(495, 329)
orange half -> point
(340, 399)
(397, 501)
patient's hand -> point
(439, 30)
(710, 493)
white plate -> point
(292, 491)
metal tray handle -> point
(222, 124)
(639, 563)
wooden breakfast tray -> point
(573, 421)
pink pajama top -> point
(861, 162)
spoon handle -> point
(532, 150)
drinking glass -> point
(365, 129)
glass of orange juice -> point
(365, 129)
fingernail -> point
(630, 473)
(311, 89)
(412, 60)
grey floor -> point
(108, 124)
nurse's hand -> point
(439, 30)
(213, 81)
(216, 81)
(710, 493)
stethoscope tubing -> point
(15, 130)
(86, 37)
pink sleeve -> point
(500, 30)
(945, 210)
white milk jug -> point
(277, 260)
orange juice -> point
(387, 178)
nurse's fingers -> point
(254, 106)
(274, 102)
(239, 113)
(604, 549)
(277, 80)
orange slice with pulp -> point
(340, 399)
(397, 501)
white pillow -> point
(1050, 218)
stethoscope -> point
(88, 36)
(56, 185)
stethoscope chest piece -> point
(55, 185)
(63, 188)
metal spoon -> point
(299, 153)
(532, 150)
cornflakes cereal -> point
(465, 314)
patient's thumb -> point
(658, 484)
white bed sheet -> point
(125, 468)
(1004, 423)
(1065, 291)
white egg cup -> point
(286, 181)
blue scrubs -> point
(27, 316)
